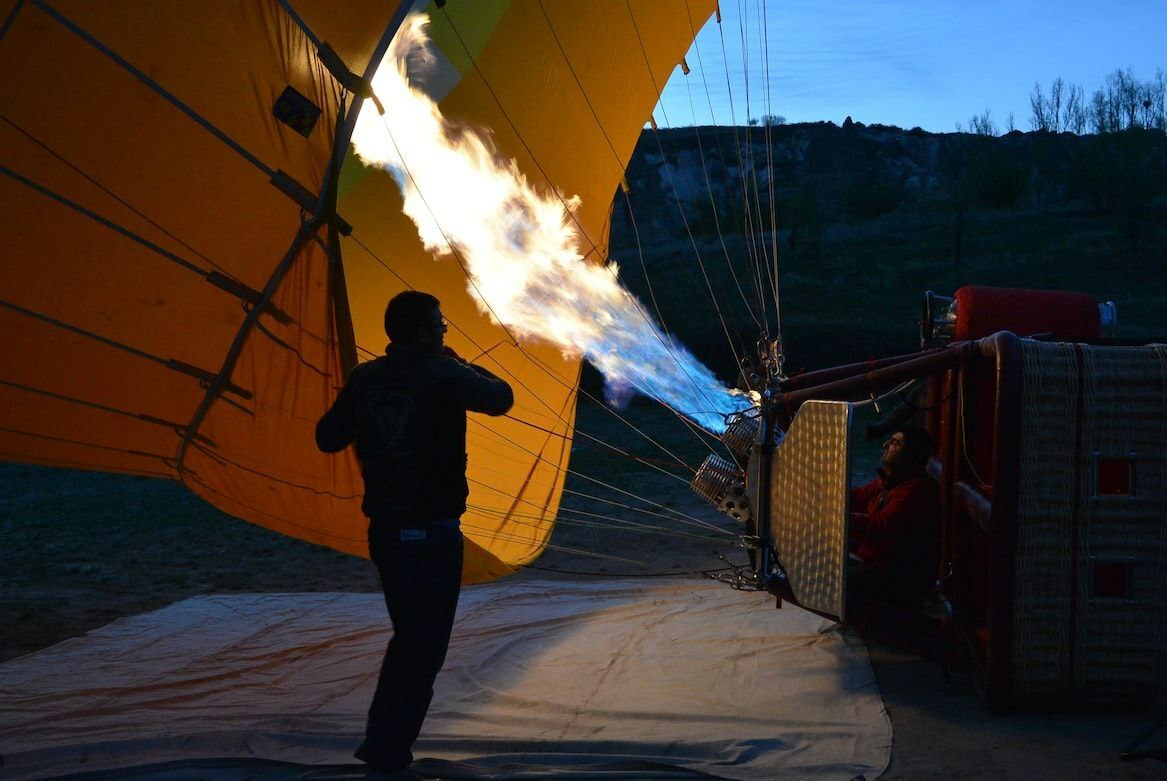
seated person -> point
(895, 526)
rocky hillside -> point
(865, 218)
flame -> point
(521, 248)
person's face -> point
(431, 335)
(893, 455)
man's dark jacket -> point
(406, 411)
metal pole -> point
(764, 560)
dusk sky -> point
(909, 62)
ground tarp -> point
(544, 678)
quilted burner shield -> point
(809, 498)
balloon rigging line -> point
(221, 456)
(295, 17)
(703, 525)
(548, 370)
(461, 263)
(632, 217)
(592, 497)
(579, 432)
(615, 156)
(747, 243)
(601, 500)
(483, 532)
(677, 515)
(635, 458)
(583, 232)
(579, 85)
(154, 86)
(713, 209)
(95, 405)
(681, 516)
(11, 18)
(164, 459)
(745, 157)
(104, 222)
(497, 102)
(766, 138)
(618, 523)
(597, 481)
(770, 170)
(24, 458)
(676, 574)
(761, 237)
(278, 521)
(119, 199)
(694, 429)
(587, 395)
(723, 156)
(676, 195)
(169, 363)
(263, 329)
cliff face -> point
(877, 215)
(859, 172)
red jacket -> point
(897, 522)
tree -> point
(1076, 114)
(772, 120)
(982, 124)
(1039, 118)
(1054, 106)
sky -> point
(907, 62)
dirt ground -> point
(81, 549)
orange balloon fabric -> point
(176, 299)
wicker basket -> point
(1090, 589)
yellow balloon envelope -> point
(188, 273)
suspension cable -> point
(571, 214)
(770, 177)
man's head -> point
(415, 318)
(906, 451)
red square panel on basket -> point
(1111, 580)
(1115, 476)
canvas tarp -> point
(545, 678)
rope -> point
(163, 459)
(92, 180)
(154, 86)
(770, 169)
(186, 264)
(751, 250)
(11, 18)
(582, 476)
(676, 194)
(527, 355)
(508, 537)
(617, 523)
(619, 575)
(570, 213)
(630, 524)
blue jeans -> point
(421, 575)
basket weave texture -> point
(1075, 639)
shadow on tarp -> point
(495, 768)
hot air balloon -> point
(193, 261)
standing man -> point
(406, 413)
